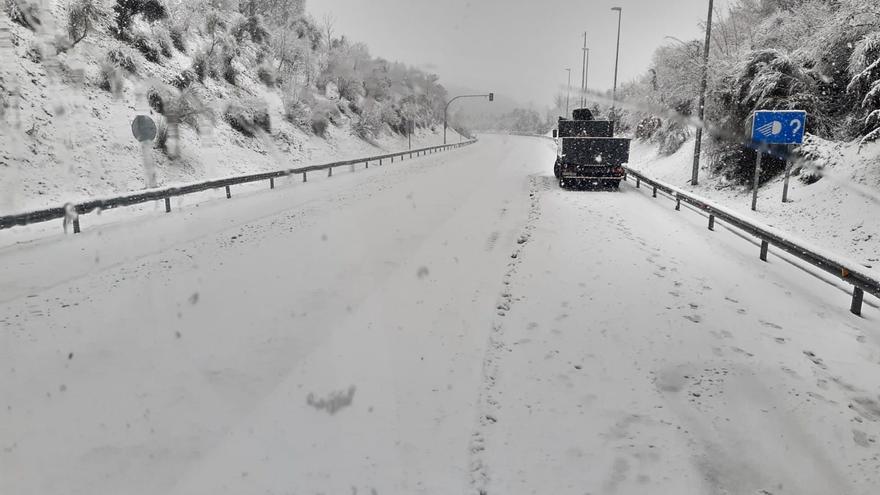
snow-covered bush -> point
(34, 52)
(83, 16)
(111, 78)
(320, 124)
(184, 79)
(296, 112)
(329, 110)
(126, 10)
(671, 137)
(391, 116)
(252, 27)
(148, 46)
(178, 38)
(249, 119)
(226, 66)
(267, 75)
(370, 122)
(163, 39)
(124, 58)
(24, 12)
(200, 65)
(355, 107)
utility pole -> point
(584, 74)
(701, 111)
(567, 93)
(616, 59)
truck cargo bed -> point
(605, 151)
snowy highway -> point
(450, 324)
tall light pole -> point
(584, 74)
(568, 93)
(616, 59)
(491, 97)
(587, 77)
(701, 111)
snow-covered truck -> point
(587, 153)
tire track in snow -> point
(489, 400)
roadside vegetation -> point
(211, 62)
(822, 56)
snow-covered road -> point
(444, 325)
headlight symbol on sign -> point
(771, 129)
(779, 127)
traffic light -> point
(491, 96)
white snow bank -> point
(833, 215)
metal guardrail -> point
(167, 193)
(850, 272)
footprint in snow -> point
(815, 359)
(739, 350)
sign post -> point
(776, 127)
(144, 130)
(756, 180)
(787, 175)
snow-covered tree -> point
(865, 83)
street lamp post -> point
(491, 97)
(587, 78)
(616, 59)
(702, 109)
(584, 73)
(568, 93)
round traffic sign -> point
(143, 128)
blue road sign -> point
(779, 126)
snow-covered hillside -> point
(65, 138)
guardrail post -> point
(271, 183)
(654, 194)
(856, 306)
(711, 222)
(330, 172)
(392, 159)
(167, 205)
(765, 246)
(677, 203)
(305, 178)
(367, 164)
(228, 193)
(352, 167)
(638, 182)
(380, 161)
(76, 226)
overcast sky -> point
(517, 47)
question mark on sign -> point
(797, 125)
